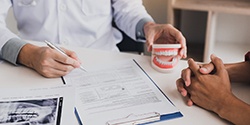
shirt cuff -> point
(247, 56)
(11, 50)
(140, 35)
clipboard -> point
(141, 119)
(131, 118)
(146, 118)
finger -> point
(150, 41)
(53, 73)
(186, 75)
(179, 39)
(149, 30)
(62, 67)
(194, 67)
(71, 54)
(207, 68)
(53, 64)
(180, 87)
(65, 59)
(218, 64)
(183, 51)
(189, 101)
(183, 91)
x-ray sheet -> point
(37, 106)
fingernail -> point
(203, 69)
(182, 52)
(183, 93)
(213, 55)
(190, 59)
(185, 83)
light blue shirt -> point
(84, 23)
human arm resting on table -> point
(213, 92)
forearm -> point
(141, 27)
(239, 72)
(235, 111)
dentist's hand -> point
(48, 62)
(164, 34)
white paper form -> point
(116, 92)
(37, 106)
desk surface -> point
(20, 76)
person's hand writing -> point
(164, 34)
(48, 62)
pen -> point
(52, 46)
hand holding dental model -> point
(167, 44)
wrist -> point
(235, 111)
(140, 34)
(146, 27)
(26, 55)
(225, 105)
(11, 49)
(238, 72)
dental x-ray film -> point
(37, 106)
(31, 112)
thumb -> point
(71, 54)
(218, 64)
(150, 41)
(207, 68)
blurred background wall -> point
(230, 27)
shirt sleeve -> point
(140, 35)
(11, 49)
(130, 16)
(247, 56)
(5, 33)
(7, 49)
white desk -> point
(18, 77)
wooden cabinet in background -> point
(213, 8)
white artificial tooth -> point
(166, 53)
(163, 62)
(172, 53)
(162, 53)
(176, 53)
(157, 53)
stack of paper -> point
(123, 93)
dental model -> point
(164, 57)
